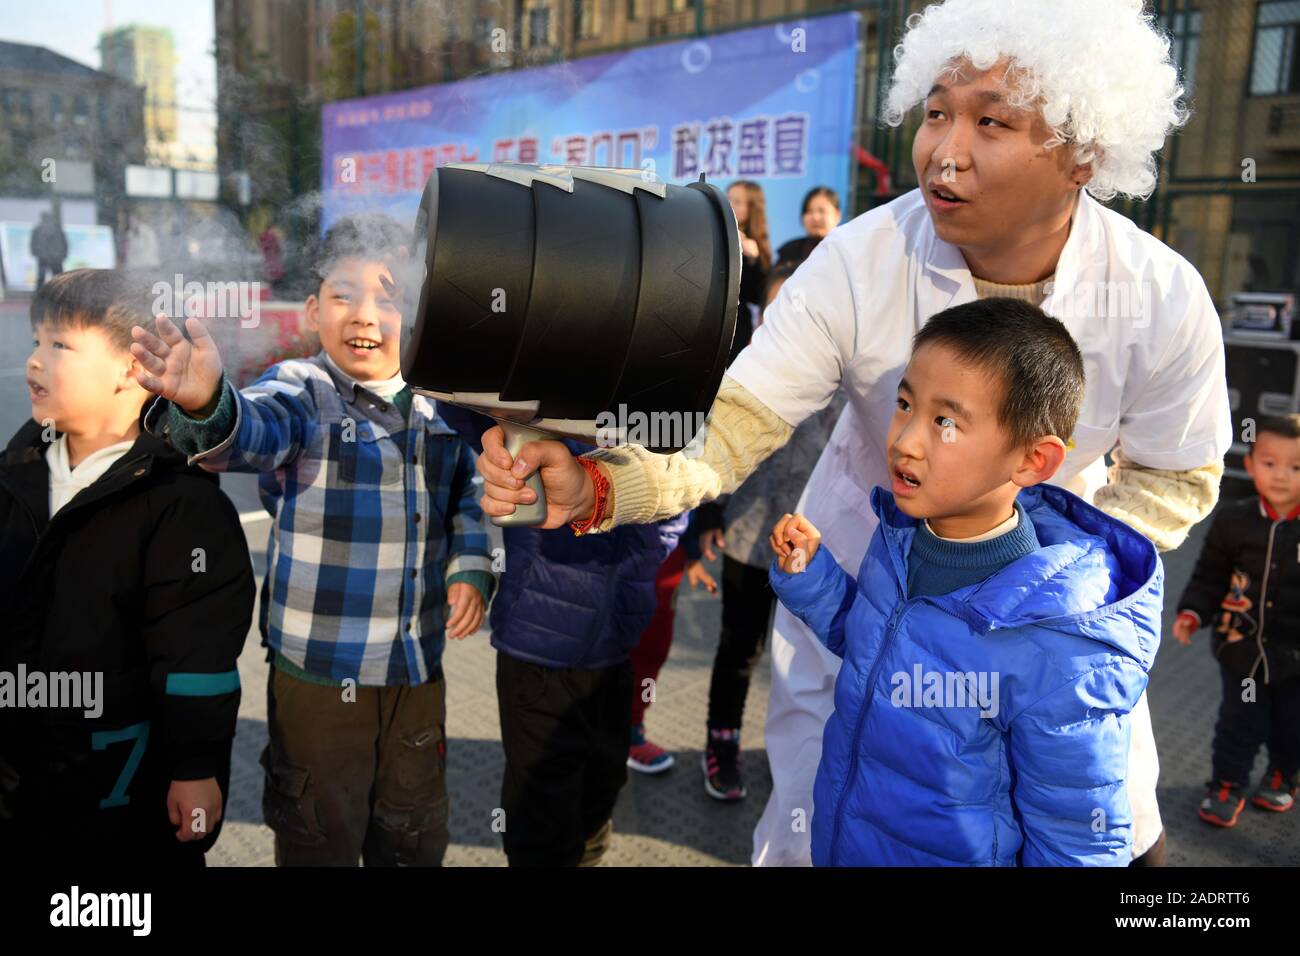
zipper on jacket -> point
(1263, 603)
(891, 628)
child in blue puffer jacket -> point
(999, 631)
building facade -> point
(55, 111)
(1229, 193)
(146, 56)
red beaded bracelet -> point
(601, 485)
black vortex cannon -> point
(572, 301)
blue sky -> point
(72, 27)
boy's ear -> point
(1043, 459)
(127, 380)
(311, 312)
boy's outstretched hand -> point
(794, 540)
(194, 807)
(465, 610)
(184, 372)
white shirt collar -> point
(66, 482)
(1008, 525)
(383, 387)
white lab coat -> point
(1152, 345)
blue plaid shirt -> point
(374, 514)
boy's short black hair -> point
(374, 236)
(1032, 354)
(1283, 426)
(780, 272)
(101, 299)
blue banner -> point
(775, 104)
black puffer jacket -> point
(1247, 582)
(144, 577)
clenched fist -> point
(794, 541)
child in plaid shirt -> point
(375, 527)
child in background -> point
(122, 567)
(1246, 585)
(375, 530)
(999, 631)
(570, 611)
(651, 650)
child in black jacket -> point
(1246, 589)
(128, 591)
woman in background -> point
(750, 206)
(821, 214)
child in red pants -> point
(656, 640)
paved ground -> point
(661, 821)
(669, 820)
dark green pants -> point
(356, 779)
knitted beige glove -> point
(740, 433)
(1163, 505)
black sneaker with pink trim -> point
(721, 765)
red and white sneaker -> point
(1275, 793)
(645, 757)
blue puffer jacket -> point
(565, 600)
(910, 776)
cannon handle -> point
(525, 516)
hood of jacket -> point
(1092, 574)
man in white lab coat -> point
(1014, 139)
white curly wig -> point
(1099, 71)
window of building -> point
(539, 26)
(81, 109)
(677, 6)
(1276, 67)
(586, 19)
(1272, 243)
(56, 108)
(635, 9)
(1185, 25)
